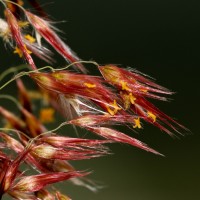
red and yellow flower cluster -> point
(94, 103)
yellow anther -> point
(137, 123)
(30, 38)
(90, 85)
(143, 90)
(132, 98)
(124, 86)
(45, 98)
(111, 112)
(11, 6)
(7, 125)
(151, 115)
(47, 115)
(58, 76)
(23, 23)
(35, 95)
(19, 51)
(20, 2)
(28, 51)
(133, 80)
(126, 100)
(113, 108)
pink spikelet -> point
(110, 134)
(11, 172)
(46, 30)
(16, 34)
(37, 182)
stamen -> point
(132, 98)
(19, 51)
(151, 115)
(143, 90)
(20, 2)
(35, 95)
(128, 99)
(124, 86)
(47, 115)
(113, 108)
(23, 24)
(137, 123)
(90, 85)
(11, 7)
(7, 125)
(30, 38)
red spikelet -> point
(16, 34)
(37, 182)
(46, 30)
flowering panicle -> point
(116, 96)
(134, 89)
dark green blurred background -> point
(159, 38)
